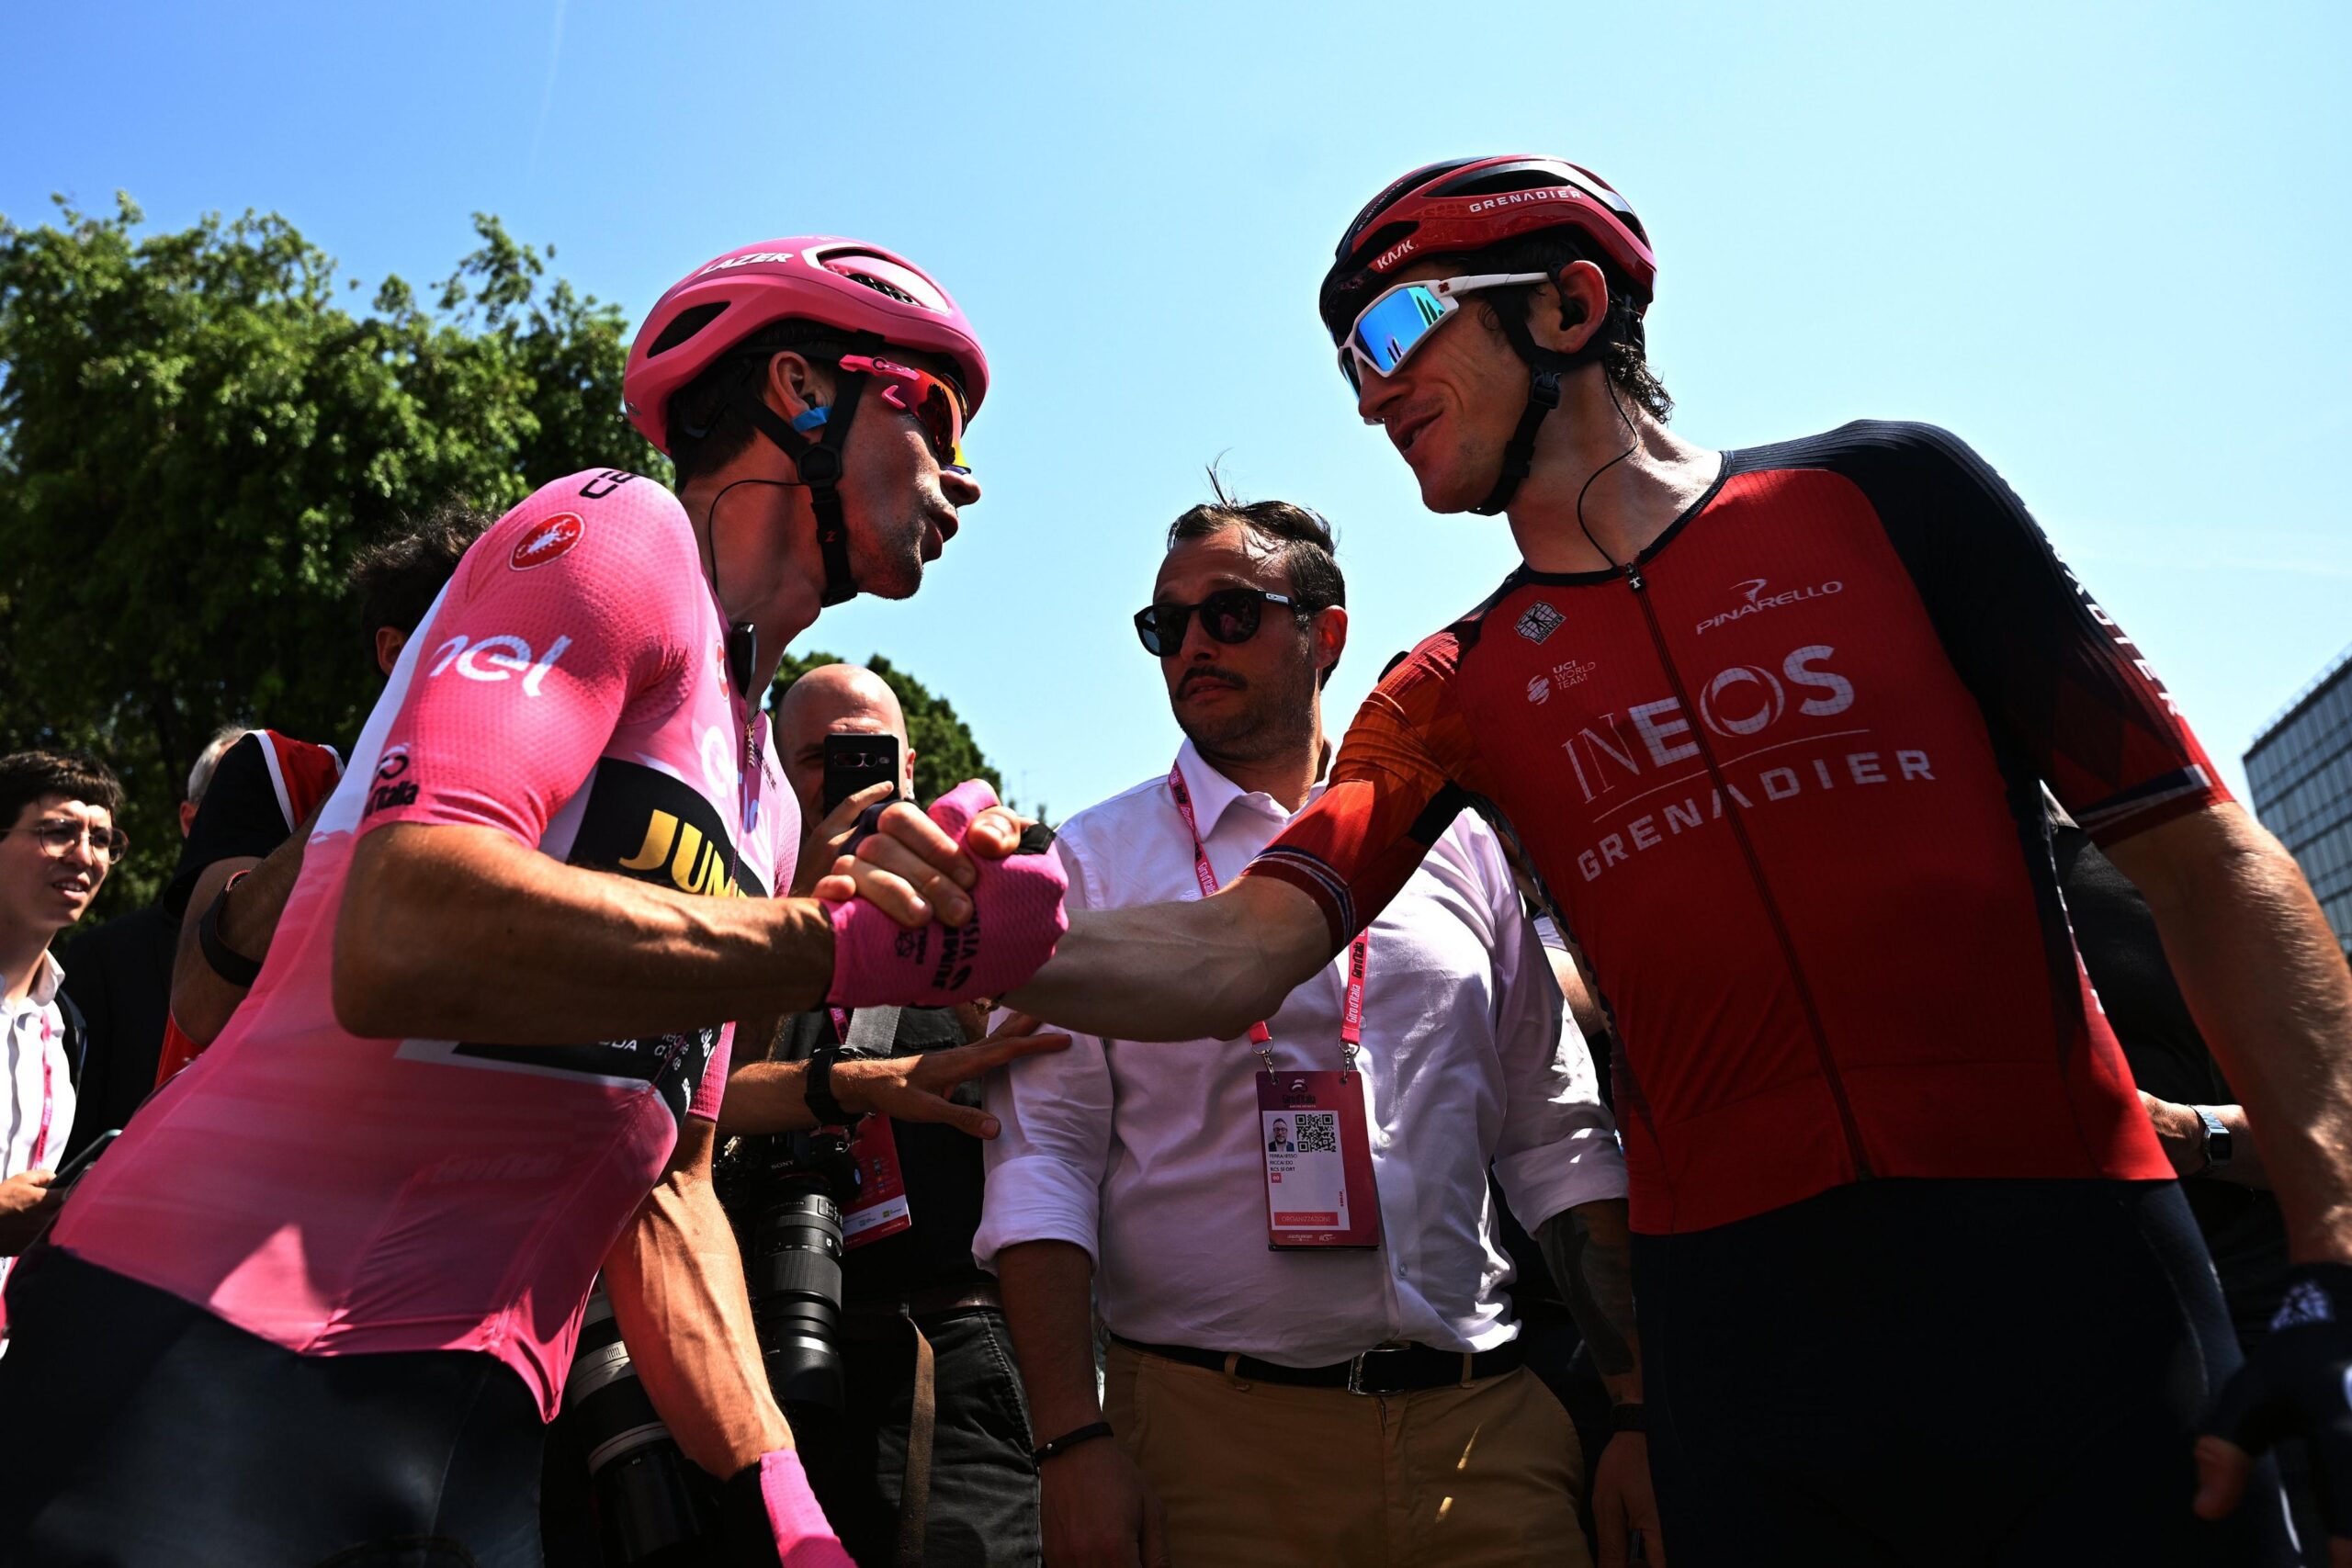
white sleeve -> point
(1559, 1144)
(1046, 1163)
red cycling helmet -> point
(1465, 205)
(847, 283)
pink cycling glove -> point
(803, 1538)
(1017, 918)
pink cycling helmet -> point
(857, 288)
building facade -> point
(2300, 771)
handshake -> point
(934, 908)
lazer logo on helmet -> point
(747, 259)
(501, 657)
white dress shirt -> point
(1150, 1155)
(38, 1075)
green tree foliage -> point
(946, 753)
(196, 432)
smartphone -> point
(82, 1161)
(853, 762)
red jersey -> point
(1782, 779)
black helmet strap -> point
(820, 462)
(1545, 367)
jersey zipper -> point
(1836, 1085)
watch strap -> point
(818, 1088)
(1068, 1440)
(1630, 1417)
(225, 961)
(2219, 1141)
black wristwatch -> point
(225, 961)
(2217, 1141)
(1629, 1416)
(817, 1089)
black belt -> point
(933, 1300)
(1384, 1368)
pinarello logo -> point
(549, 539)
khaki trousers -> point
(1264, 1475)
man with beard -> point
(1313, 1359)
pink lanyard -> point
(1359, 951)
(47, 1100)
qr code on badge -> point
(1319, 1131)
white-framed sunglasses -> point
(1387, 330)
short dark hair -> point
(1624, 348)
(397, 577)
(30, 777)
(1299, 536)
(708, 428)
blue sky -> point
(2104, 244)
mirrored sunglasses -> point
(933, 401)
(1387, 330)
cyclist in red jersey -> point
(317, 1301)
(1771, 724)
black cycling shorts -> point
(136, 1428)
(1945, 1372)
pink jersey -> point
(339, 1195)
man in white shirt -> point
(58, 840)
(1313, 1360)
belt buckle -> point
(1356, 1369)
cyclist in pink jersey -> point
(357, 1236)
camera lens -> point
(796, 1287)
(652, 1507)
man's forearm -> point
(1048, 1307)
(2271, 995)
(1201, 969)
(675, 1280)
(202, 1001)
(1588, 1251)
(452, 933)
(766, 1097)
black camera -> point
(785, 1192)
(651, 1507)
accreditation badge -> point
(880, 1207)
(1317, 1160)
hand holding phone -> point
(85, 1160)
(853, 762)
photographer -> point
(911, 1423)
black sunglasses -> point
(1230, 615)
